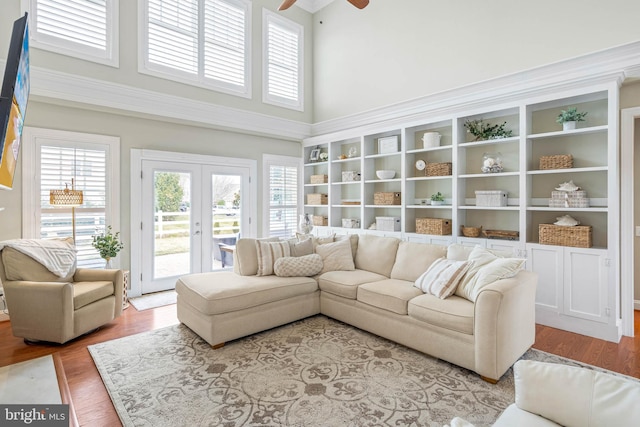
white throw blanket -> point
(58, 256)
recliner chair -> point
(45, 307)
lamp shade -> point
(66, 197)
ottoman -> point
(221, 306)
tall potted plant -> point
(108, 245)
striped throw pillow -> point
(268, 253)
(442, 277)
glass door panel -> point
(226, 218)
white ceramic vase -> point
(568, 125)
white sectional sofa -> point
(485, 331)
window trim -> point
(32, 140)
(166, 73)
(110, 56)
(269, 16)
(269, 160)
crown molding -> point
(55, 86)
(614, 64)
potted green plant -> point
(437, 199)
(108, 245)
(484, 131)
(570, 117)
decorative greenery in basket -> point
(571, 115)
(108, 244)
(483, 131)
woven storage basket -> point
(319, 179)
(383, 198)
(579, 236)
(471, 231)
(436, 226)
(438, 169)
(560, 161)
(320, 220)
(317, 199)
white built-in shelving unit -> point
(578, 287)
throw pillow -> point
(336, 256)
(442, 277)
(306, 265)
(268, 253)
(485, 269)
(300, 248)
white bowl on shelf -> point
(385, 174)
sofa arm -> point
(504, 323)
(112, 275)
(573, 396)
(40, 310)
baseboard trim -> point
(636, 304)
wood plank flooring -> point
(94, 408)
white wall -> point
(393, 51)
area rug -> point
(154, 300)
(314, 372)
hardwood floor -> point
(94, 408)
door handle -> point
(196, 233)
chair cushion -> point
(390, 294)
(345, 283)
(453, 313)
(85, 293)
(19, 266)
(224, 291)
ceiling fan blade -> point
(360, 4)
(286, 4)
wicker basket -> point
(436, 226)
(317, 199)
(560, 161)
(471, 231)
(579, 236)
(383, 198)
(319, 179)
(320, 220)
(438, 169)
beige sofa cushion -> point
(390, 294)
(453, 313)
(336, 256)
(300, 248)
(19, 266)
(245, 256)
(224, 291)
(268, 253)
(413, 259)
(376, 254)
(353, 239)
(85, 293)
(345, 283)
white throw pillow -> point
(336, 256)
(485, 269)
(268, 253)
(442, 277)
(300, 248)
(306, 265)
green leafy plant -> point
(108, 244)
(571, 115)
(438, 197)
(483, 131)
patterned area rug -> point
(315, 372)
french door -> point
(189, 212)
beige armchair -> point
(45, 307)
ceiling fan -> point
(360, 4)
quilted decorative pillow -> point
(336, 256)
(268, 254)
(306, 265)
(442, 277)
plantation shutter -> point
(283, 63)
(283, 200)
(82, 25)
(224, 42)
(88, 166)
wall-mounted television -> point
(13, 101)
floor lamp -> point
(68, 198)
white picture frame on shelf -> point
(314, 156)
(388, 145)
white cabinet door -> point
(585, 284)
(548, 262)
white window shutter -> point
(283, 200)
